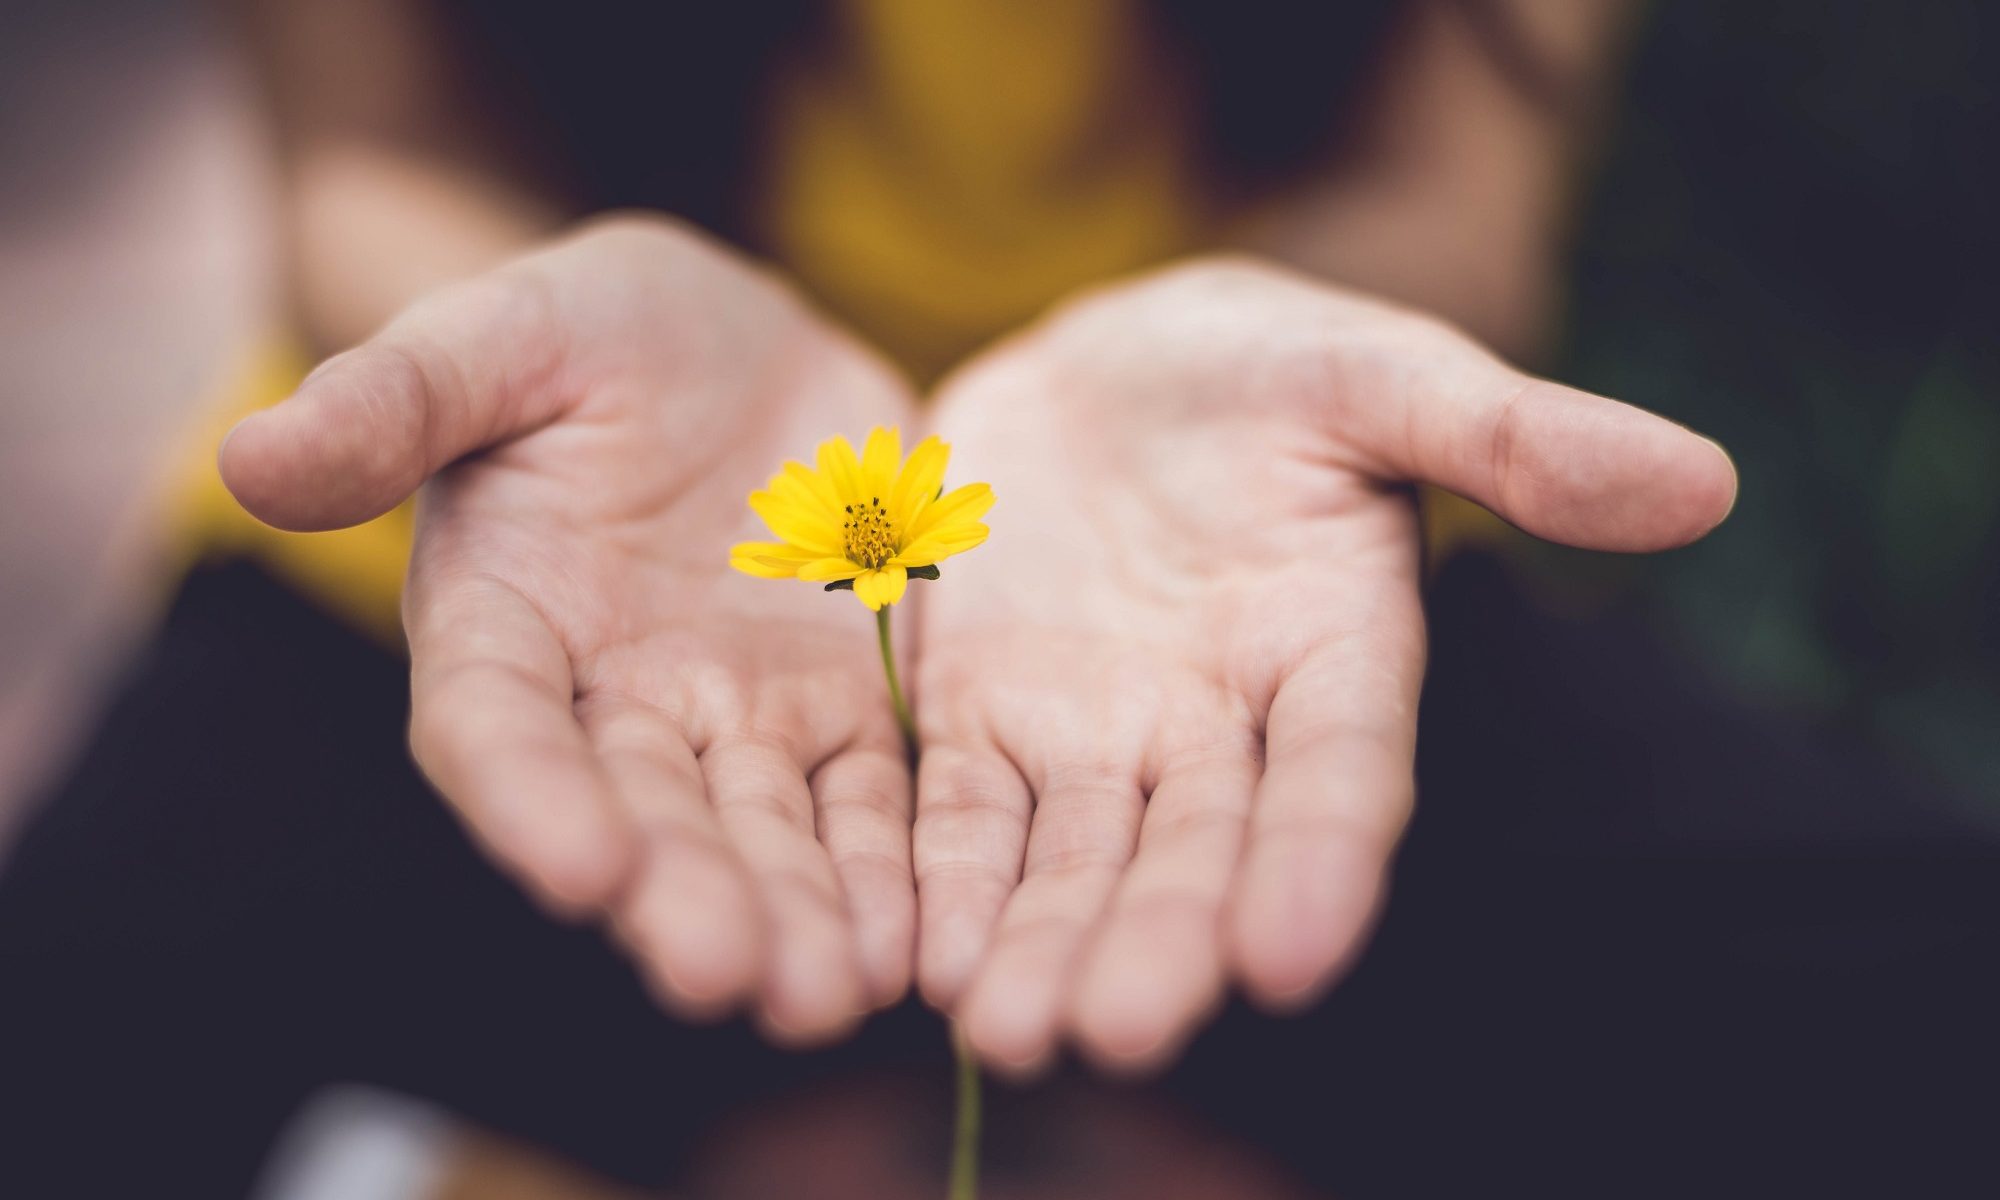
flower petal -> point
(841, 469)
(826, 570)
(879, 460)
(864, 590)
(767, 560)
(890, 583)
(941, 544)
(783, 550)
(797, 524)
(800, 485)
(921, 477)
(818, 482)
(962, 505)
(886, 586)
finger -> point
(1560, 463)
(971, 831)
(1340, 740)
(691, 917)
(863, 802)
(1085, 826)
(1155, 968)
(463, 369)
(812, 990)
(491, 725)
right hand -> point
(635, 729)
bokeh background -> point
(1790, 243)
(135, 264)
(1792, 248)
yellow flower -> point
(869, 523)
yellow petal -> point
(876, 588)
(879, 460)
(864, 590)
(798, 488)
(826, 570)
(784, 550)
(797, 524)
(919, 481)
(841, 468)
(940, 544)
(961, 505)
(890, 583)
(766, 560)
(816, 483)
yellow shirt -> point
(948, 170)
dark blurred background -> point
(135, 263)
(1793, 248)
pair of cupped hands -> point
(1167, 713)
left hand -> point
(1169, 712)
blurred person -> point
(1169, 717)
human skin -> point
(1169, 709)
(704, 761)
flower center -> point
(870, 540)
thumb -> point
(465, 368)
(1563, 464)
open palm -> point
(1169, 711)
(708, 760)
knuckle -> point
(968, 791)
(875, 873)
(1040, 932)
(961, 872)
(1144, 916)
(802, 890)
(1207, 824)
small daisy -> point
(869, 524)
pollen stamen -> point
(870, 539)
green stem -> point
(965, 1138)
(965, 1134)
(903, 719)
